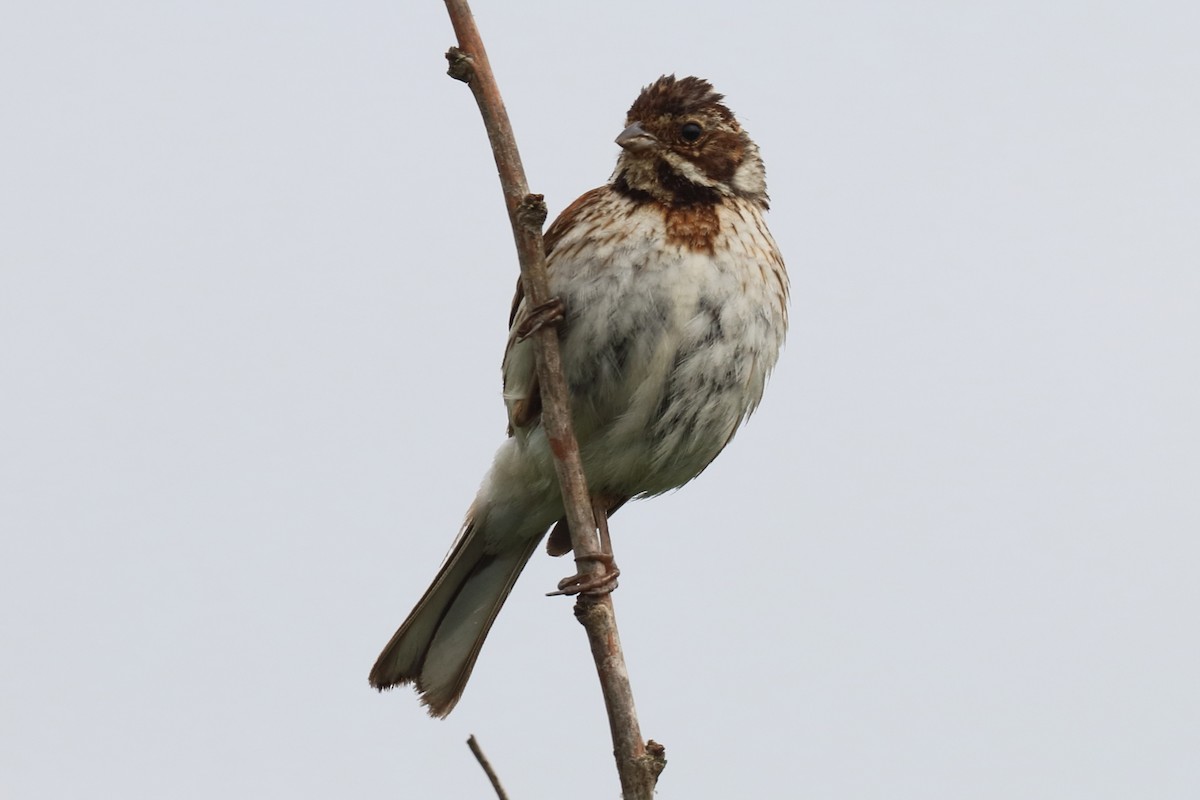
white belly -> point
(667, 353)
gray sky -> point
(254, 277)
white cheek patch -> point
(750, 178)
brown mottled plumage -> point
(675, 300)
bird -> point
(674, 307)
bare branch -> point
(526, 212)
(638, 763)
(487, 767)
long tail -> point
(437, 645)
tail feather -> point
(438, 644)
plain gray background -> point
(254, 283)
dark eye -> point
(691, 131)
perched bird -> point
(674, 298)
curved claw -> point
(550, 312)
(588, 584)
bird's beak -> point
(635, 139)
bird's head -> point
(682, 146)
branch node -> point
(655, 759)
(588, 611)
(462, 66)
(531, 212)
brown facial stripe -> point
(720, 156)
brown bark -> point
(638, 762)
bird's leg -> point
(606, 581)
(550, 312)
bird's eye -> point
(691, 131)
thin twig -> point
(487, 767)
(638, 763)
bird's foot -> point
(588, 584)
(551, 312)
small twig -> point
(487, 767)
(638, 762)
